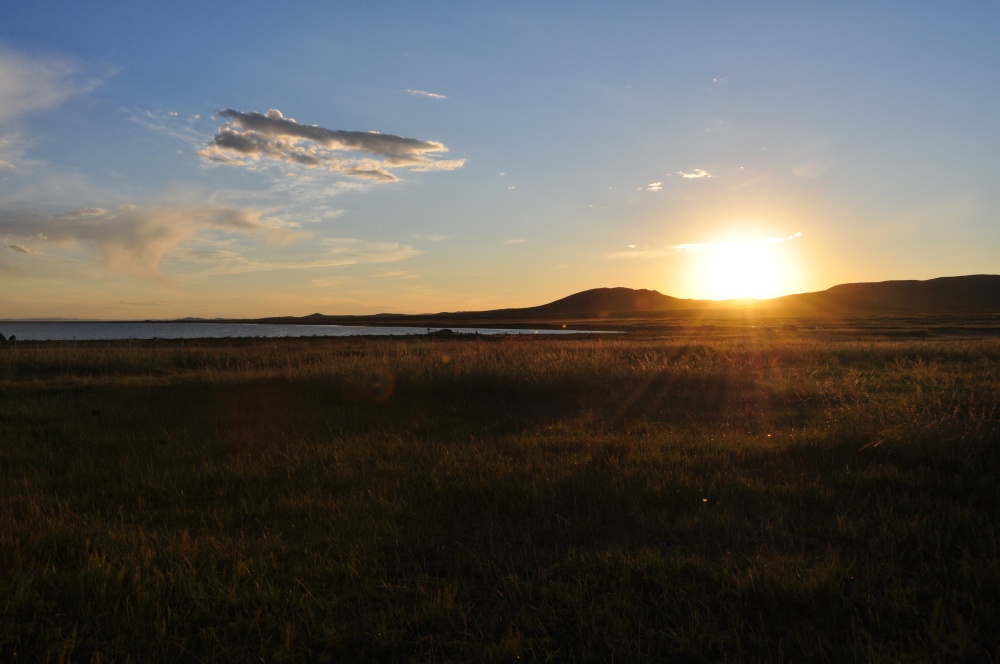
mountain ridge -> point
(980, 293)
(939, 294)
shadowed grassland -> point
(742, 498)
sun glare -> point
(742, 269)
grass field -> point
(736, 497)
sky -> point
(162, 160)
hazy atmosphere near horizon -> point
(161, 160)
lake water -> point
(84, 331)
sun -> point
(743, 269)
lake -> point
(86, 331)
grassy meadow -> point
(737, 496)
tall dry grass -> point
(750, 497)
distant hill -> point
(979, 292)
(973, 293)
(612, 300)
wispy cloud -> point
(20, 248)
(696, 174)
(183, 129)
(516, 240)
(711, 246)
(11, 149)
(335, 282)
(247, 138)
(32, 84)
(135, 239)
(424, 93)
(634, 251)
(326, 253)
(144, 303)
(654, 186)
(351, 251)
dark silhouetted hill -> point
(973, 293)
(979, 292)
(597, 301)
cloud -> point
(695, 175)
(646, 252)
(654, 186)
(334, 282)
(20, 248)
(516, 240)
(635, 252)
(339, 252)
(326, 253)
(247, 138)
(135, 239)
(182, 129)
(144, 303)
(712, 246)
(32, 84)
(91, 212)
(424, 93)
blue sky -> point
(206, 160)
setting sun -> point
(742, 268)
